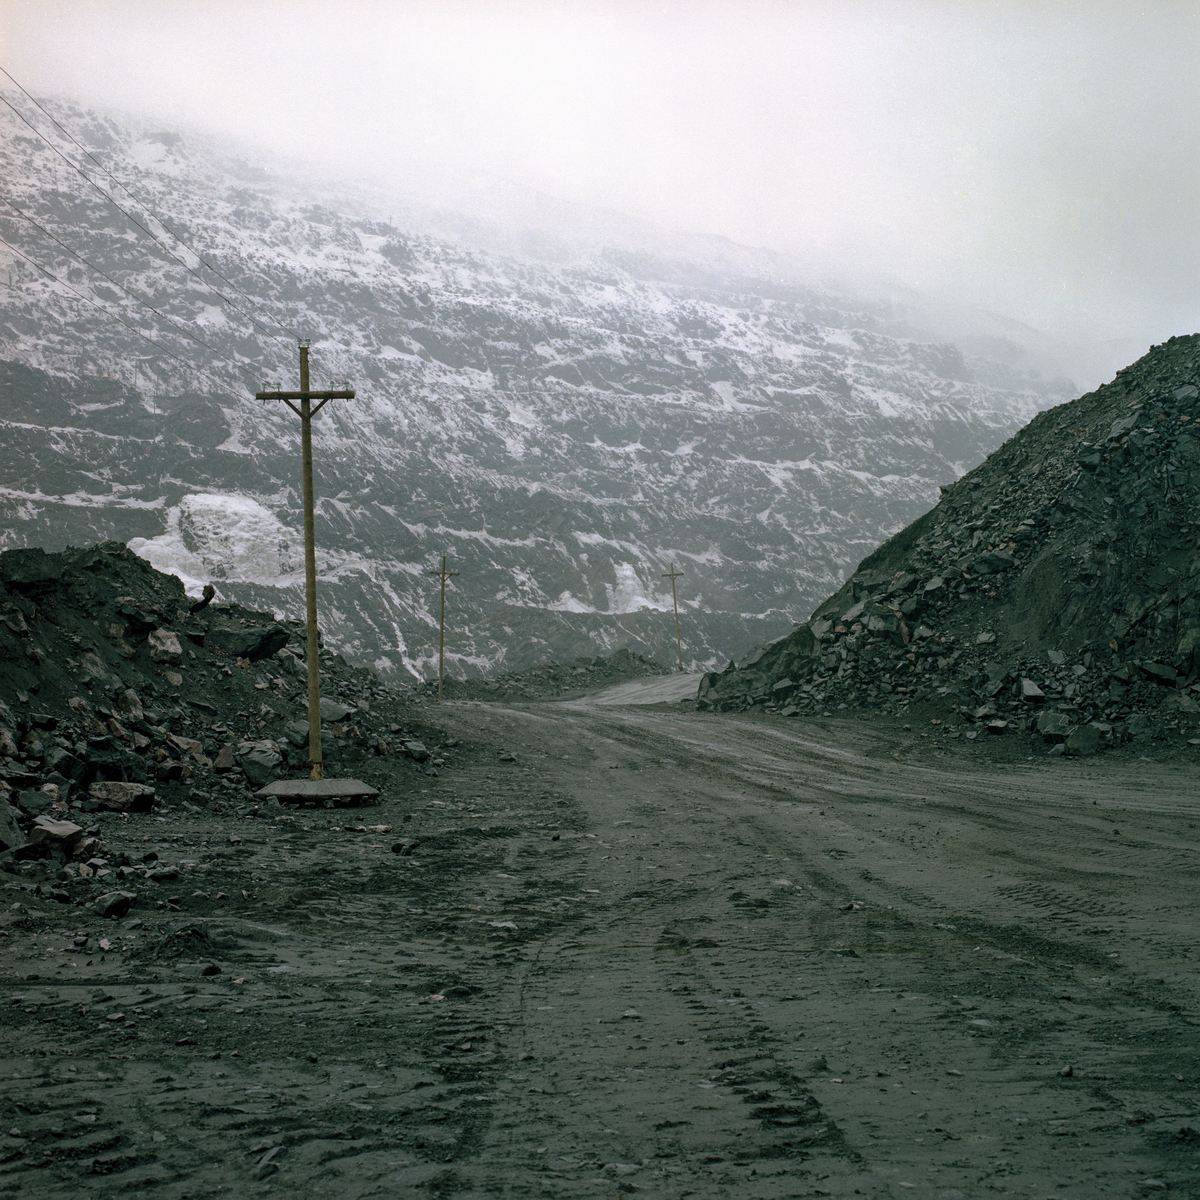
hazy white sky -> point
(1039, 159)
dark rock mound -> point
(119, 695)
(1061, 576)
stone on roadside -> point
(260, 761)
(333, 710)
(1084, 740)
(55, 835)
(129, 703)
(114, 905)
(1030, 691)
(123, 797)
(224, 759)
(415, 750)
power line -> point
(129, 192)
(114, 282)
(116, 317)
(129, 216)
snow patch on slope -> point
(213, 536)
(628, 594)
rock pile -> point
(1054, 590)
(118, 694)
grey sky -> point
(1038, 159)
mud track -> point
(661, 952)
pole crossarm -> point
(342, 394)
(306, 399)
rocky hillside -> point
(1054, 589)
(564, 427)
(119, 692)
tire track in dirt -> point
(683, 956)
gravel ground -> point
(636, 949)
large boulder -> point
(122, 797)
(261, 762)
(993, 562)
(252, 642)
(1084, 740)
(415, 750)
(114, 905)
(1054, 726)
(50, 834)
(296, 732)
(33, 801)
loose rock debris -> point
(1054, 590)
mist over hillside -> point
(565, 414)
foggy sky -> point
(1036, 159)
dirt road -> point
(660, 952)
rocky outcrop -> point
(1055, 589)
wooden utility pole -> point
(673, 575)
(444, 575)
(306, 412)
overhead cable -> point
(116, 283)
(129, 192)
(116, 317)
(129, 216)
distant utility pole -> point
(673, 575)
(444, 575)
(306, 412)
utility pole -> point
(306, 412)
(444, 575)
(673, 575)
